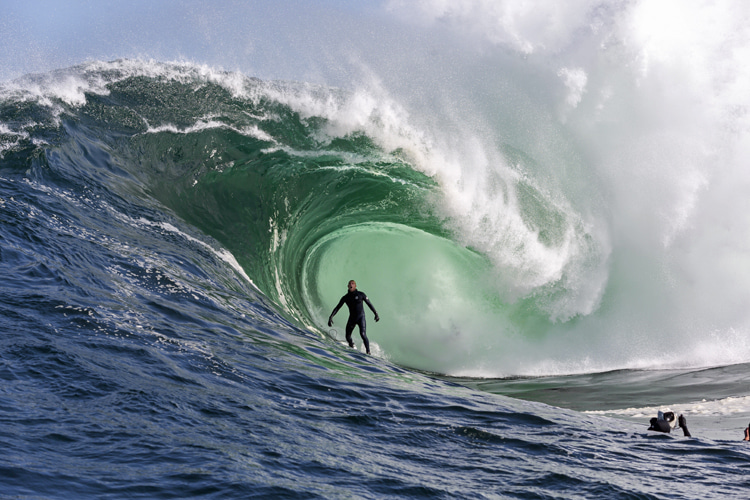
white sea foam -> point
(720, 407)
(208, 124)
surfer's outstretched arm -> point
(372, 308)
(335, 310)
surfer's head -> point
(667, 416)
(352, 285)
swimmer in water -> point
(354, 299)
(665, 422)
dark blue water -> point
(147, 351)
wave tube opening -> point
(429, 292)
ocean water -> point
(556, 245)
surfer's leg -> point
(349, 329)
(363, 334)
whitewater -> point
(546, 206)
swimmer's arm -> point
(683, 424)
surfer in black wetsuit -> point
(664, 422)
(354, 299)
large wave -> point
(576, 209)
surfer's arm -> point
(335, 310)
(372, 308)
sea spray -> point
(629, 120)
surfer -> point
(747, 433)
(665, 422)
(354, 299)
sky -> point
(285, 39)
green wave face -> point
(428, 289)
(310, 187)
(304, 211)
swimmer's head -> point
(352, 285)
(667, 416)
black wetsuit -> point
(662, 425)
(354, 301)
